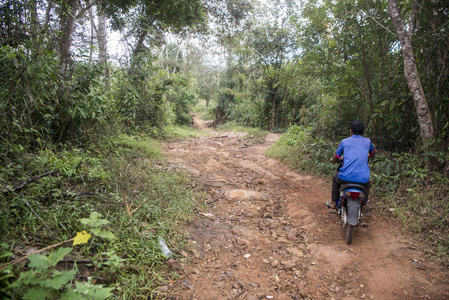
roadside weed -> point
(120, 194)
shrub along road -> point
(265, 234)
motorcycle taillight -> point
(354, 194)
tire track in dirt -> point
(267, 235)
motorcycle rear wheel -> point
(349, 234)
(344, 217)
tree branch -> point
(47, 14)
(84, 9)
(372, 18)
(28, 181)
(26, 256)
(413, 20)
(258, 53)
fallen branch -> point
(207, 216)
(75, 261)
(128, 206)
(39, 251)
(30, 180)
(89, 277)
(130, 213)
(329, 288)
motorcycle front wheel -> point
(349, 234)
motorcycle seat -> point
(347, 186)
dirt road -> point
(265, 234)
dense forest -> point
(79, 121)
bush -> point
(300, 149)
(38, 109)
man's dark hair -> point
(357, 127)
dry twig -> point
(39, 251)
(29, 180)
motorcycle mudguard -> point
(353, 211)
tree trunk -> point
(68, 16)
(175, 63)
(47, 15)
(93, 33)
(411, 72)
(139, 48)
(273, 114)
(102, 43)
(273, 109)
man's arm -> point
(371, 151)
(338, 153)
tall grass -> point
(123, 179)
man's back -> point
(355, 166)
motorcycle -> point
(349, 208)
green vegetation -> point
(79, 132)
(300, 150)
(181, 132)
(204, 112)
(125, 181)
(322, 65)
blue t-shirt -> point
(355, 161)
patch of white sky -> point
(272, 12)
(117, 45)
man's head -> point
(357, 127)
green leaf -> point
(103, 233)
(39, 262)
(81, 287)
(74, 112)
(94, 220)
(6, 276)
(59, 279)
(24, 278)
(39, 293)
(392, 104)
(115, 261)
(6, 254)
(69, 295)
(54, 258)
(88, 291)
(103, 293)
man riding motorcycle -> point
(355, 150)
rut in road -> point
(266, 234)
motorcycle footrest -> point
(333, 212)
(367, 215)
